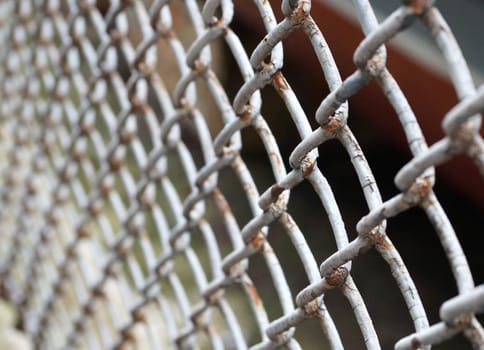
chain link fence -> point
(130, 218)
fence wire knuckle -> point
(119, 228)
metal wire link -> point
(104, 198)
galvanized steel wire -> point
(94, 220)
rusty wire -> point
(95, 225)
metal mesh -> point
(116, 229)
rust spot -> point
(58, 97)
(291, 225)
(77, 154)
(422, 187)
(416, 344)
(128, 334)
(79, 327)
(85, 127)
(376, 64)
(116, 36)
(115, 163)
(301, 12)
(198, 318)
(126, 135)
(44, 237)
(276, 190)
(258, 241)
(83, 231)
(380, 239)
(463, 321)
(144, 197)
(75, 40)
(126, 3)
(338, 277)
(65, 174)
(307, 167)
(59, 289)
(169, 34)
(333, 125)
(462, 138)
(200, 67)
(417, 6)
(104, 188)
(144, 68)
(85, 6)
(221, 201)
(245, 117)
(254, 294)
(213, 298)
(98, 292)
(219, 23)
(312, 308)
(70, 252)
(279, 81)
(122, 248)
(136, 104)
(94, 209)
